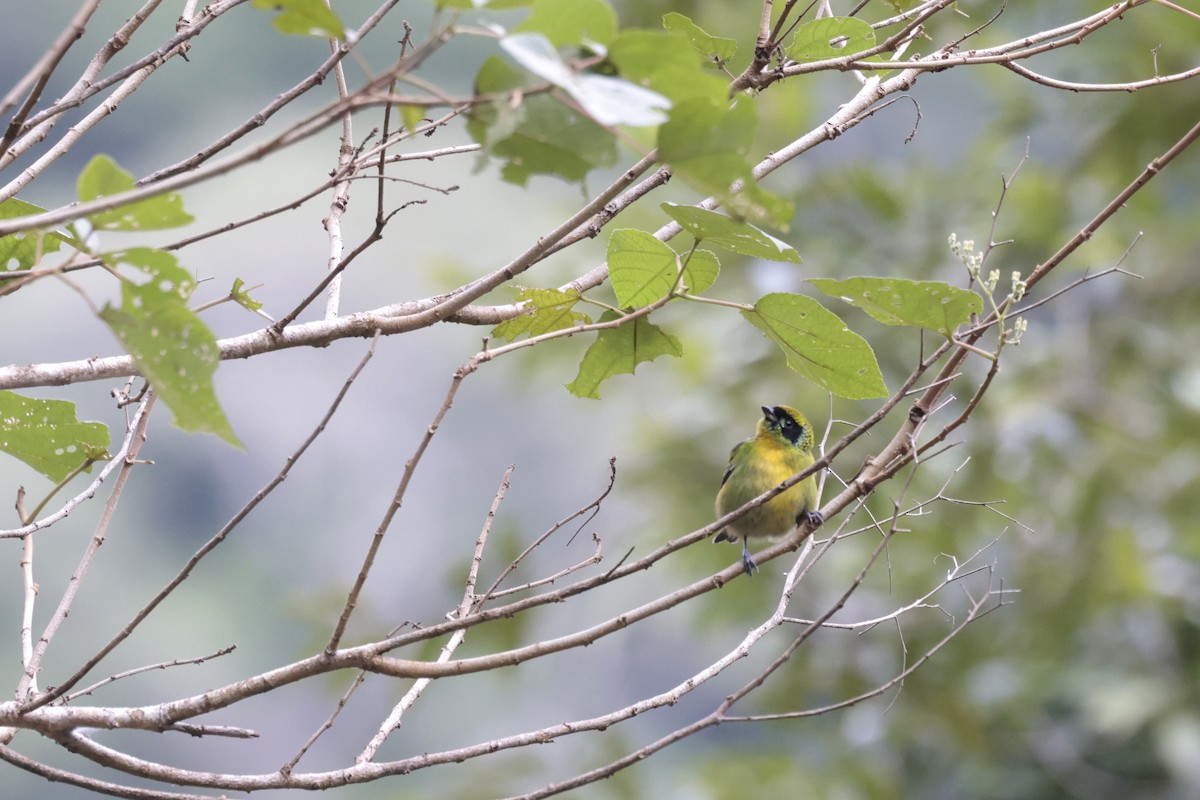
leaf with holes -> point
(103, 178)
(172, 348)
(933, 305)
(829, 38)
(21, 251)
(47, 435)
(242, 297)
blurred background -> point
(1087, 448)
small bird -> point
(781, 448)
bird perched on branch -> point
(781, 448)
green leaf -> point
(545, 311)
(412, 116)
(304, 18)
(708, 143)
(554, 140)
(572, 22)
(709, 138)
(935, 306)
(619, 350)
(541, 136)
(172, 348)
(21, 251)
(665, 63)
(47, 435)
(700, 271)
(829, 38)
(496, 121)
(103, 178)
(642, 268)
(730, 234)
(161, 270)
(242, 296)
(490, 5)
(818, 345)
(714, 48)
(610, 101)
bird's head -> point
(787, 425)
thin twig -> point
(141, 421)
(208, 546)
(470, 603)
(175, 662)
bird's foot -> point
(748, 565)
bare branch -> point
(35, 80)
(208, 547)
(141, 419)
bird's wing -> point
(733, 459)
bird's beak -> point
(769, 414)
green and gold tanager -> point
(781, 448)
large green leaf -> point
(710, 139)
(665, 63)
(496, 121)
(554, 140)
(47, 435)
(304, 18)
(619, 350)
(643, 269)
(932, 305)
(571, 22)
(731, 234)
(545, 311)
(541, 136)
(172, 348)
(103, 178)
(818, 345)
(707, 142)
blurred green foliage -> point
(1087, 683)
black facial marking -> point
(792, 430)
